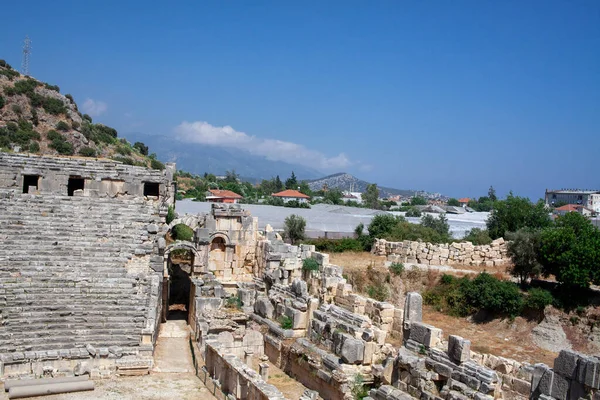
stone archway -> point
(178, 290)
(221, 255)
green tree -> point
(571, 251)
(418, 201)
(492, 194)
(439, 224)
(371, 196)
(291, 182)
(333, 196)
(382, 225)
(278, 184)
(294, 226)
(304, 188)
(478, 237)
(141, 147)
(523, 248)
(453, 202)
(515, 213)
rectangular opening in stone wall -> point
(151, 189)
(30, 180)
(75, 183)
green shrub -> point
(87, 151)
(54, 106)
(182, 232)
(76, 125)
(378, 292)
(34, 147)
(155, 164)
(87, 118)
(2, 102)
(141, 147)
(478, 237)
(493, 295)
(10, 74)
(170, 214)
(17, 109)
(12, 127)
(414, 212)
(124, 160)
(336, 245)
(25, 125)
(34, 117)
(538, 299)
(70, 97)
(310, 264)
(52, 87)
(286, 322)
(62, 147)
(52, 134)
(397, 268)
(233, 302)
(4, 64)
(124, 150)
(63, 126)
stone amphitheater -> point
(90, 276)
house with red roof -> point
(289, 195)
(222, 196)
(567, 208)
(464, 201)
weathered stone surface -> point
(263, 307)
(352, 351)
(413, 308)
(459, 349)
(566, 363)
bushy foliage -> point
(453, 202)
(63, 126)
(378, 292)
(515, 213)
(286, 322)
(170, 214)
(523, 248)
(418, 201)
(478, 237)
(87, 151)
(52, 87)
(414, 212)
(60, 143)
(296, 204)
(54, 106)
(17, 109)
(124, 150)
(182, 232)
(570, 251)
(2, 102)
(397, 268)
(538, 299)
(493, 295)
(87, 118)
(371, 197)
(310, 264)
(294, 226)
(34, 147)
(155, 164)
(439, 224)
(70, 97)
(462, 296)
(141, 147)
(99, 133)
(336, 245)
(382, 225)
(358, 389)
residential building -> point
(586, 198)
(289, 195)
(573, 208)
(464, 201)
(222, 196)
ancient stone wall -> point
(101, 178)
(463, 253)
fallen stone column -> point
(53, 388)
(11, 383)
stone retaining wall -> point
(464, 253)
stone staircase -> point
(64, 283)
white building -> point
(586, 198)
(289, 195)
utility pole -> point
(26, 53)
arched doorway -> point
(178, 290)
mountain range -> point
(198, 159)
(344, 181)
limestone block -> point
(263, 307)
(459, 349)
(566, 363)
(427, 335)
(413, 308)
(298, 318)
(352, 351)
(369, 353)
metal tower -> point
(26, 53)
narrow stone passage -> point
(172, 353)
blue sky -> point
(447, 96)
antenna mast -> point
(26, 53)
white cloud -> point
(93, 107)
(277, 150)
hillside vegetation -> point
(36, 118)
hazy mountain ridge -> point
(198, 159)
(347, 182)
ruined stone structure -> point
(84, 283)
(464, 253)
(77, 263)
